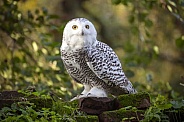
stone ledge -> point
(121, 114)
(9, 97)
(116, 109)
(95, 109)
(96, 106)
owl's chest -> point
(73, 61)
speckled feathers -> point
(91, 62)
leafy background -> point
(147, 35)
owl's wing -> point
(103, 61)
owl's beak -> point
(82, 33)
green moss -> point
(133, 99)
(67, 108)
(122, 114)
(71, 112)
(41, 102)
(87, 118)
(10, 97)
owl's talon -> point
(88, 94)
(78, 97)
(97, 92)
(92, 95)
(75, 98)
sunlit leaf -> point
(164, 106)
(35, 46)
(169, 8)
(156, 49)
(172, 3)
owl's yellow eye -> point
(87, 26)
(74, 27)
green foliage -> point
(29, 56)
(32, 109)
(132, 109)
(69, 112)
(26, 111)
(141, 53)
(161, 106)
(143, 49)
(177, 104)
(133, 100)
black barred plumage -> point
(91, 62)
(83, 74)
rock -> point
(95, 106)
(88, 118)
(9, 97)
(140, 100)
(121, 115)
(67, 108)
(130, 107)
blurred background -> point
(147, 35)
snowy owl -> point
(91, 62)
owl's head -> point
(79, 32)
(80, 27)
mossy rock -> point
(9, 97)
(71, 110)
(41, 102)
(121, 115)
(65, 107)
(140, 100)
(87, 118)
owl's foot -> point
(78, 97)
(94, 92)
(83, 94)
(86, 90)
(75, 98)
(97, 92)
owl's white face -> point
(78, 33)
